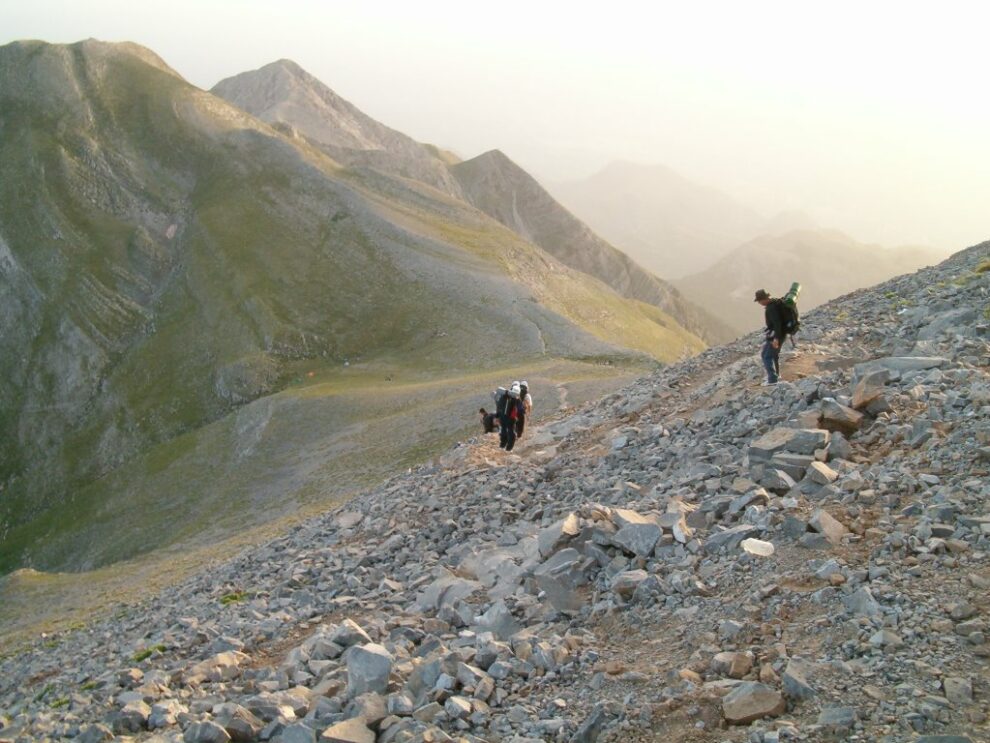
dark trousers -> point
(520, 425)
(506, 432)
(771, 360)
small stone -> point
(732, 664)
(838, 719)
(958, 690)
(368, 669)
(348, 731)
(836, 417)
(206, 731)
(349, 633)
(457, 708)
(752, 701)
(133, 718)
(795, 679)
(824, 523)
(626, 582)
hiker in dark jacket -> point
(507, 416)
(488, 421)
(775, 335)
(525, 408)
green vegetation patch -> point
(235, 598)
(148, 652)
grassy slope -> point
(376, 427)
(279, 257)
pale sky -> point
(873, 117)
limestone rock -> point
(368, 669)
(751, 701)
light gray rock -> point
(837, 417)
(348, 731)
(821, 474)
(626, 582)
(349, 633)
(558, 534)
(239, 723)
(751, 701)
(368, 669)
(862, 604)
(297, 733)
(794, 440)
(870, 387)
(637, 539)
(797, 677)
(958, 690)
(205, 731)
(133, 718)
(824, 523)
(729, 538)
(838, 719)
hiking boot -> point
(767, 383)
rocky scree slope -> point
(598, 584)
(166, 260)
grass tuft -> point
(234, 598)
(148, 652)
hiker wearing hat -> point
(507, 418)
(775, 335)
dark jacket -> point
(775, 321)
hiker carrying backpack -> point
(509, 409)
(526, 407)
(782, 319)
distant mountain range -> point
(668, 223)
(827, 263)
(171, 264)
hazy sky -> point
(874, 117)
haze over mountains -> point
(171, 267)
(827, 263)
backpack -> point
(501, 397)
(789, 310)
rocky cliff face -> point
(285, 95)
(503, 190)
(827, 263)
(691, 557)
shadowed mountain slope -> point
(503, 190)
(168, 262)
(826, 262)
(287, 96)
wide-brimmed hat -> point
(761, 294)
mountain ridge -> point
(168, 260)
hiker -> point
(508, 413)
(526, 406)
(489, 421)
(775, 335)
